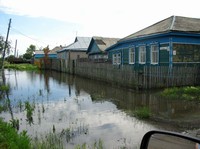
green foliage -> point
(142, 113)
(50, 141)
(3, 108)
(29, 112)
(4, 88)
(15, 123)
(10, 139)
(29, 52)
(2, 45)
(185, 93)
(97, 145)
(21, 66)
(27, 56)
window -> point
(154, 54)
(142, 55)
(186, 53)
(117, 58)
(114, 58)
(132, 55)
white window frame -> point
(142, 54)
(117, 58)
(114, 58)
(154, 54)
(132, 55)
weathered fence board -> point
(148, 77)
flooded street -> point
(88, 111)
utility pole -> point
(15, 48)
(4, 52)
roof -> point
(104, 42)
(80, 43)
(173, 23)
(39, 52)
(54, 50)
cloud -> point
(108, 18)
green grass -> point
(10, 139)
(185, 93)
(49, 141)
(142, 113)
(4, 88)
(21, 66)
(96, 145)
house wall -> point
(164, 41)
(94, 48)
(62, 55)
(95, 53)
(78, 54)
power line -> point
(37, 40)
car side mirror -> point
(168, 140)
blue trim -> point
(170, 53)
(159, 35)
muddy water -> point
(91, 110)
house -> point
(75, 50)
(96, 49)
(39, 54)
(172, 41)
(53, 53)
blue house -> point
(97, 46)
(52, 53)
(39, 54)
(172, 41)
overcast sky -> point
(58, 22)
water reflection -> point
(84, 110)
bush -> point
(10, 139)
(185, 93)
(142, 113)
(21, 66)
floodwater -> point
(91, 110)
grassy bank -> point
(185, 93)
(21, 66)
(9, 138)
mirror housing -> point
(156, 139)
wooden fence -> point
(148, 77)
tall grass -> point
(185, 93)
(21, 66)
(10, 139)
(142, 113)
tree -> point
(29, 52)
(2, 44)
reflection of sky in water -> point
(102, 119)
(31, 86)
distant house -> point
(172, 41)
(75, 50)
(39, 54)
(53, 53)
(96, 49)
